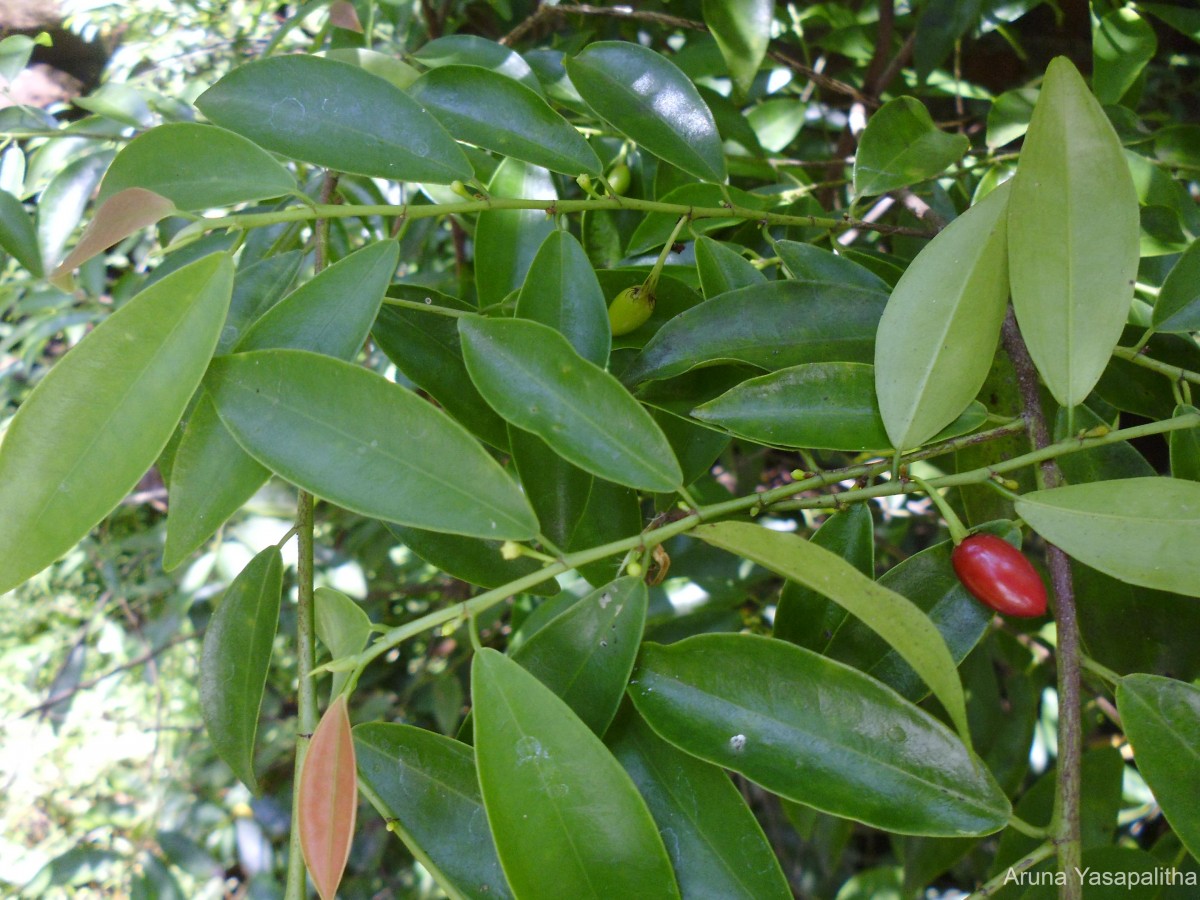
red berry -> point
(998, 575)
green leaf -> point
(893, 617)
(613, 512)
(561, 290)
(17, 236)
(772, 326)
(1072, 236)
(330, 314)
(532, 376)
(425, 786)
(1140, 530)
(364, 443)
(1177, 308)
(473, 560)
(107, 409)
(342, 627)
(425, 347)
(939, 331)
(497, 113)
(1009, 116)
(928, 580)
(1122, 44)
(333, 312)
(256, 288)
(1184, 447)
(809, 264)
(506, 241)
(1162, 720)
(473, 50)
(557, 490)
(723, 269)
(828, 406)
(235, 659)
(901, 146)
(941, 26)
(212, 478)
(585, 654)
(834, 739)
(716, 845)
(566, 819)
(383, 65)
(197, 167)
(336, 115)
(645, 97)
(742, 29)
(807, 617)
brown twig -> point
(1070, 738)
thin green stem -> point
(651, 282)
(1107, 674)
(551, 207)
(1045, 851)
(1135, 356)
(777, 498)
(429, 307)
(1029, 830)
(958, 531)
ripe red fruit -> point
(998, 575)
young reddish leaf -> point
(122, 214)
(328, 799)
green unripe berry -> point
(630, 309)
(618, 178)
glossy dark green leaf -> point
(343, 627)
(942, 323)
(107, 408)
(473, 560)
(829, 406)
(928, 580)
(811, 264)
(893, 617)
(1122, 43)
(566, 819)
(613, 511)
(1184, 448)
(212, 477)
(723, 269)
(426, 786)
(497, 113)
(256, 288)
(235, 658)
(17, 236)
(1162, 720)
(656, 229)
(645, 97)
(426, 348)
(473, 50)
(1140, 530)
(742, 29)
(506, 241)
(364, 443)
(1132, 388)
(532, 376)
(557, 490)
(197, 167)
(901, 146)
(772, 326)
(1178, 305)
(1072, 236)
(331, 314)
(833, 739)
(585, 654)
(673, 297)
(336, 115)
(561, 290)
(716, 846)
(807, 617)
(1103, 463)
